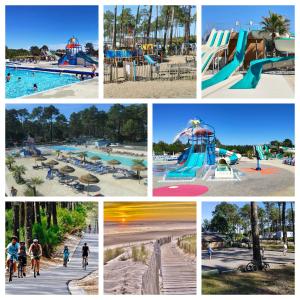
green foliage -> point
(71, 220)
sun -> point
(123, 220)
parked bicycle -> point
(253, 266)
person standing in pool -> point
(8, 77)
(35, 87)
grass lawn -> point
(280, 281)
(276, 246)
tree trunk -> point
(54, 214)
(38, 213)
(293, 221)
(166, 28)
(48, 213)
(149, 23)
(121, 28)
(187, 25)
(28, 222)
(284, 234)
(279, 216)
(16, 219)
(22, 214)
(136, 24)
(156, 24)
(115, 28)
(255, 235)
(172, 25)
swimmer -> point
(8, 77)
(35, 87)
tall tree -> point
(16, 219)
(283, 222)
(255, 235)
(293, 221)
(137, 17)
(28, 222)
(149, 23)
(54, 214)
(48, 214)
(115, 28)
(38, 212)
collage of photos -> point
(127, 170)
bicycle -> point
(12, 260)
(35, 258)
(20, 269)
(84, 262)
(66, 259)
(253, 266)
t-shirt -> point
(13, 249)
(85, 250)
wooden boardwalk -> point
(179, 276)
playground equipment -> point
(261, 152)
(223, 170)
(230, 68)
(200, 154)
(218, 41)
(29, 148)
(75, 56)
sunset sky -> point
(149, 211)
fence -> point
(150, 279)
(133, 72)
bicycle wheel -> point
(249, 267)
(11, 270)
(266, 266)
(34, 268)
(85, 263)
(20, 270)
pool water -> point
(45, 81)
(125, 160)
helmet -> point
(35, 240)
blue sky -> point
(134, 9)
(234, 123)
(209, 207)
(65, 109)
(224, 17)
(51, 25)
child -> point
(66, 255)
(209, 250)
(23, 256)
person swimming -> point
(8, 77)
(35, 87)
(19, 78)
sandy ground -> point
(151, 89)
(108, 186)
(85, 89)
(88, 284)
(277, 180)
(269, 86)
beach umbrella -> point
(138, 169)
(95, 157)
(114, 162)
(67, 169)
(88, 179)
(52, 163)
(39, 158)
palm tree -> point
(58, 153)
(83, 155)
(275, 24)
(9, 161)
(34, 182)
(18, 171)
(255, 235)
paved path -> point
(54, 280)
(178, 273)
(232, 258)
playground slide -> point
(149, 60)
(87, 58)
(221, 43)
(252, 77)
(230, 68)
(210, 42)
(189, 169)
(230, 157)
(49, 53)
(63, 60)
(260, 152)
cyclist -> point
(85, 253)
(35, 252)
(12, 250)
(90, 228)
(23, 256)
(66, 254)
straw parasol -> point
(138, 168)
(95, 157)
(40, 158)
(88, 179)
(52, 163)
(67, 169)
(114, 162)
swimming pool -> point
(124, 160)
(44, 80)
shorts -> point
(36, 257)
(15, 258)
(85, 255)
(23, 259)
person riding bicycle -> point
(85, 253)
(90, 228)
(12, 250)
(35, 252)
(22, 256)
(66, 254)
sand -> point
(108, 186)
(151, 89)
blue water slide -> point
(189, 170)
(149, 60)
(252, 77)
(183, 156)
(230, 68)
(86, 58)
(62, 60)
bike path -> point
(54, 280)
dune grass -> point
(139, 254)
(110, 253)
(279, 281)
(188, 244)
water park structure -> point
(134, 58)
(248, 62)
(205, 169)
